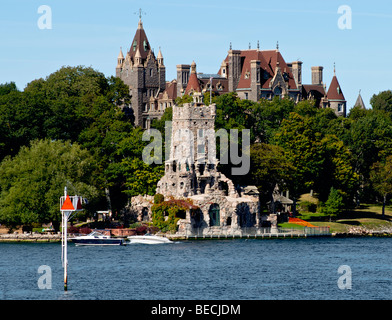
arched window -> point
(214, 213)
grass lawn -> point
(367, 216)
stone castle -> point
(253, 73)
(191, 170)
(191, 173)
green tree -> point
(381, 178)
(334, 204)
(32, 182)
(382, 101)
(269, 167)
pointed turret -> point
(335, 97)
(120, 59)
(359, 103)
(193, 83)
(160, 58)
(138, 58)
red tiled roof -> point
(335, 91)
(193, 84)
(268, 62)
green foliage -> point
(334, 203)
(382, 101)
(166, 214)
(158, 198)
(31, 182)
(269, 167)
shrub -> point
(158, 198)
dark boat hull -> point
(98, 242)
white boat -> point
(149, 239)
(97, 238)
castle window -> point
(151, 72)
(246, 96)
(134, 45)
(340, 107)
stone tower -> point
(143, 73)
(192, 167)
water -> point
(232, 269)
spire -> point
(335, 91)
(277, 45)
(120, 58)
(193, 83)
(160, 57)
(138, 57)
(359, 103)
(140, 41)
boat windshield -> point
(96, 233)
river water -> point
(191, 270)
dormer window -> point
(134, 45)
(145, 45)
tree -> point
(382, 101)
(269, 167)
(32, 182)
(381, 178)
(303, 149)
(334, 204)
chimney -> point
(317, 75)
(296, 69)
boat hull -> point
(98, 242)
(148, 240)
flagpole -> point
(210, 90)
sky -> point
(91, 32)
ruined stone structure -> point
(191, 172)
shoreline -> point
(29, 238)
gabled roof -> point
(269, 60)
(140, 42)
(335, 91)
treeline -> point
(69, 130)
(301, 148)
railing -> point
(253, 232)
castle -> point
(191, 173)
(254, 74)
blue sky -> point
(90, 33)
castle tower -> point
(143, 73)
(192, 165)
(335, 97)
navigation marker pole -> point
(68, 205)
